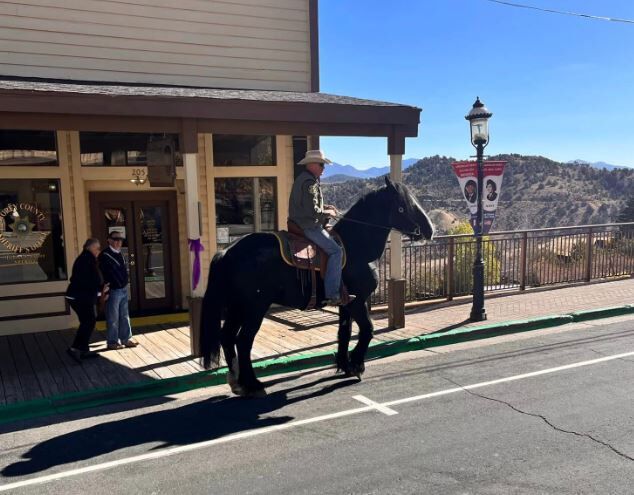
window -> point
(124, 149)
(235, 214)
(237, 150)
(31, 233)
(28, 148)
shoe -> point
(89, 354)
(75, 354)
(131, 343)
(115, 347)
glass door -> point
(118, 217)
(147, 248)
(152, 254)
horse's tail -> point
(211, 314)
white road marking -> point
(508, 379)
(269, 429)
(379, 407)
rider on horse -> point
(308, 212)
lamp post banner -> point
(467, 175)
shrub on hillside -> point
(464, 255)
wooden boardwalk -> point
(34, 366)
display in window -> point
(236, 150)
(31, 233)
(235, 212)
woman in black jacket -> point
(85, 289)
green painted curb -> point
(85, 399)
(593, 314)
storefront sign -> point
(467, 174)
(161, 161)
(17, 224)
(31, 232)
(222, 235)
(150, 232)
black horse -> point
(250, 275)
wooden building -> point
(169, 121)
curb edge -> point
(86, 399)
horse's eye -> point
(401, 209)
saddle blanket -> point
(301, 253)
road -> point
(537, 413)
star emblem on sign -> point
(22, 225)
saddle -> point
(301, 253)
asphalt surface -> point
(564, 431)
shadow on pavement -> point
(191, 423)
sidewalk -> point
(35, 366)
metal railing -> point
(441, 268)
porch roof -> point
(96, 106)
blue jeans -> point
(332, 280)
(117, 317)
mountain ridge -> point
(350, 172)
(536, 192)
(355, 173)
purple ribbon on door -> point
(196, 247)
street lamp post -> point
(478, 119)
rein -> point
(385, 227)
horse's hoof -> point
(239, 391)
(236, 388)
(253, 393)
(357, 371)
(257, 394)
(353, 374)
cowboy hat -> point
(314, 156)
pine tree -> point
(627, 213)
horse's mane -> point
(369, 200)
(363, 234)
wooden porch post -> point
(189, 149)
(396, 283)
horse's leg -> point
(343, 339)
(228, 340)
(247, 380)
(361, 314)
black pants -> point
(87, 318)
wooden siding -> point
(231, 44)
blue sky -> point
(558, 86)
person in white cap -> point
(307, 211)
